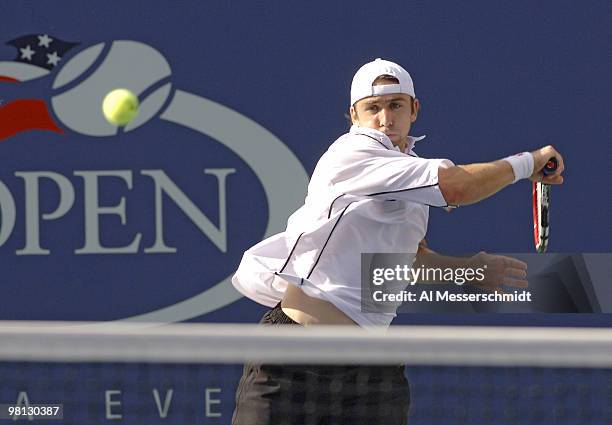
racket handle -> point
(550, 167)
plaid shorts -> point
(320, 394)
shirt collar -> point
(383, 139)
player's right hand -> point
(540, 158)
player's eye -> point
(395, 105)
(372, 108)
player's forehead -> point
(384, 99)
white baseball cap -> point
(361, 86)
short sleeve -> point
(389, 174)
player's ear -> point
(416, 105)
(353, 114)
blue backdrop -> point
(494, 78)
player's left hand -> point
(500, 271)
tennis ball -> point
(120, 106)
(86, 78)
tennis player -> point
(370, 192)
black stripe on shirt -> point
(328, 237)
(402, 190)
(291, 253)
(332, 204)
(412, 188)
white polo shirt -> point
(365, 196)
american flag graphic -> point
(37, 56)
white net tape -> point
(232, 343)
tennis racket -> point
(541, 206)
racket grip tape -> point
(550, 167)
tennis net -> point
(132, 373)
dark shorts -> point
(319, 394)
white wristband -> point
(522, 165)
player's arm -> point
(427, 257)
(468, 184)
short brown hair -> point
(385, 79)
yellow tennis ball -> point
(120, 106)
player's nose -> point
(385, 118)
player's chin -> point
(394, 137)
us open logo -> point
(94, 209)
